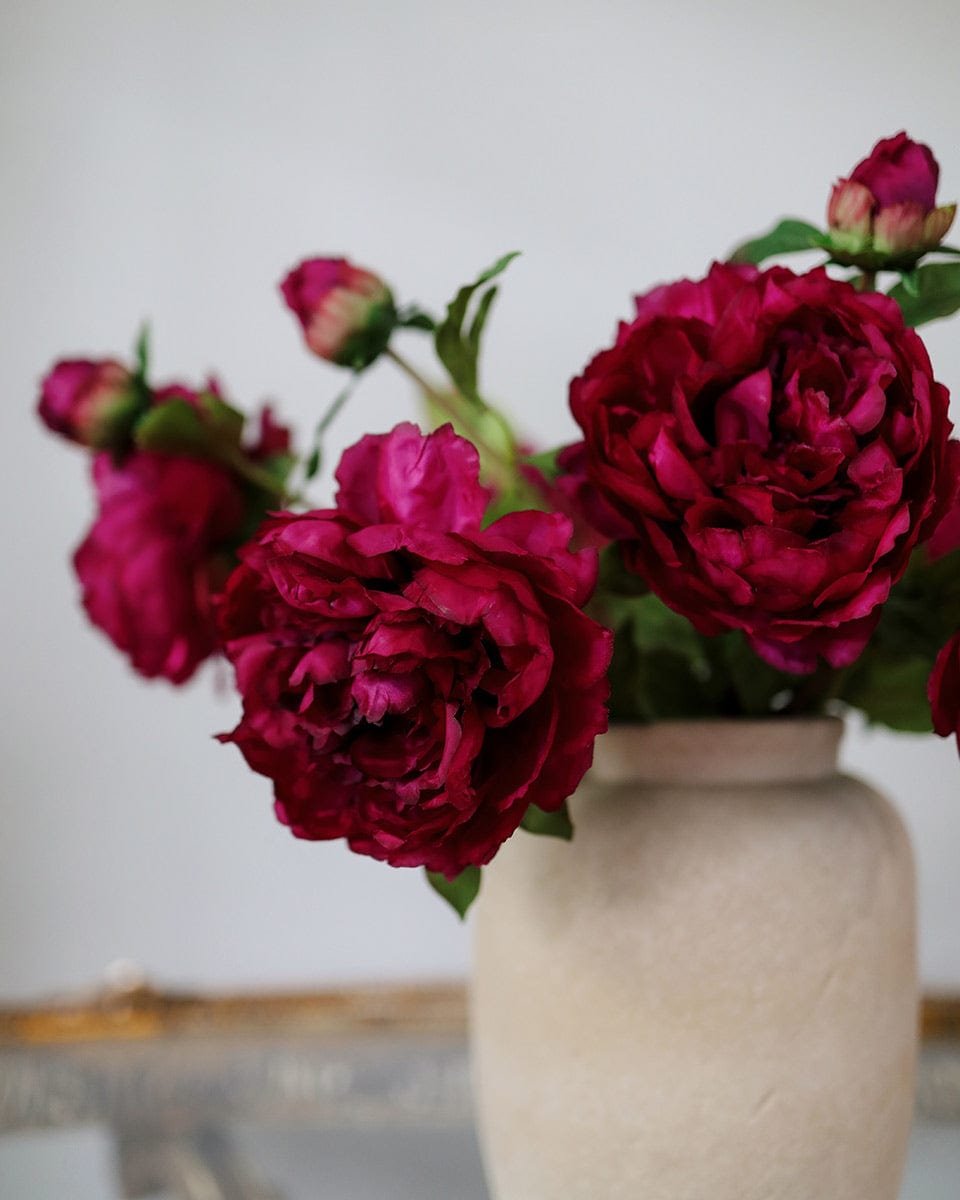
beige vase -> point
(711, 993)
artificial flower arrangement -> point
(760, 519)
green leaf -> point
(278, 467)
(315, 457)
(953, 251)
(460, 892)
(224, 422)
(789, 237)
(934, 293)
(545, 463)
(755, 682)
(141, 352)
(891, 691)
(548, 824)
(171, 428)
(416, 318)
(459, 351)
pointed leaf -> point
(548, 824)
(936, 294)
(416, 319)
(460, 892)
(480, 318)
(789, 237)
(141, 352)
(459, 351)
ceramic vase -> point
(711, 992)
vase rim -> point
(719, 751)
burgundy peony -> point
(157, 554)
(887, 209)
(943, 690)
(411, 682)
(347, 313)
(92, 403)
(778, 445)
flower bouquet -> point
(759, 523)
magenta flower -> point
(778, 445)
(410, 681)
(158, 553)
(347, 313)
(943, 690)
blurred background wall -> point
(169, 160)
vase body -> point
(711, 993)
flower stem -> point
(237, 461)
(501, 465)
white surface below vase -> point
(711, 993)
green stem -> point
(867, 281)
(501, 466)
(237, 461)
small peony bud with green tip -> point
(347, 313)
(885, 215)
(92, 403)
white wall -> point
(170, 159)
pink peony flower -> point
(410, 681)
(158, 553)
(778, 445)
(943, 690)
(92, 403)
(347, 313)
(887, 209)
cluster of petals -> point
(777, 446)
(411, 681)
(157, 555)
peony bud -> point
(347, 313)
(885, 214)
(92, 403)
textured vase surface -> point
(711, 993)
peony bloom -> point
(778, 445)
(886, 212)
(347, 313)
(410, 681)
(92, 403)
(943, 690)
(157, 554)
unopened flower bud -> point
(885, 214)
(347, 313)
(92, 403)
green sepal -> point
(790, 236)
(460, 892)
(171, 428)
(548, 824)
(459, 350)
(222, 421)
(365, 345)
(934, 292)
